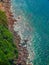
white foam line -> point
(20, 26)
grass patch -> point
(3, 18)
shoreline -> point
(23, 53)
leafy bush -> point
(8, 51)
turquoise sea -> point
(34, 26)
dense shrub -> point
(8, 51)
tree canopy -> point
(8, 51)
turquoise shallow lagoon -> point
(34, 26)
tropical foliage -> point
(8, 51)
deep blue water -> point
(36, 14)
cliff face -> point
(1, 6)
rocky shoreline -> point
(23, 53)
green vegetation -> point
(8, 51)
(3, 19)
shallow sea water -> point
(33, 25)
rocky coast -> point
(23, 53)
